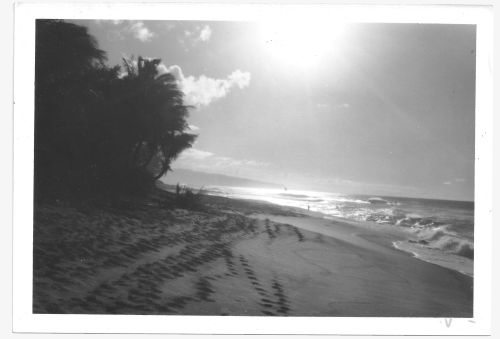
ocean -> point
(437, 231)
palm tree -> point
(157, 117)
(94, 128)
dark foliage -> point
(186, 198)
(98, 128)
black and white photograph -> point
(305, 166)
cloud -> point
(239, 78)
(227, 163)
(119, 29)
(194, 128)
(205, 33)
(140, 31)
(203, 90)
(453, 181)
(323, 105)
(194, 154)
(175, 70)
(194, 36)
(199, 160)
(168, 26)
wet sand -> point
(233, 257)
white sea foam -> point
(449, 260)
(444, 239)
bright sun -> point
(300, 44)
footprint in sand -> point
(269, 232)
(277, 228)
(204, 289)
(299, 234)
(282, 302)
(272, 308)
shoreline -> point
(387, 237)
(401, 241)
(233, 257)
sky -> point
(384, 109)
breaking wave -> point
(443, 239)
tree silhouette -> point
(153, 117)
(95, 129)
(67, 66)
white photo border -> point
(24, 66)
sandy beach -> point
(231, 257)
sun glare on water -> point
(299, 43)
